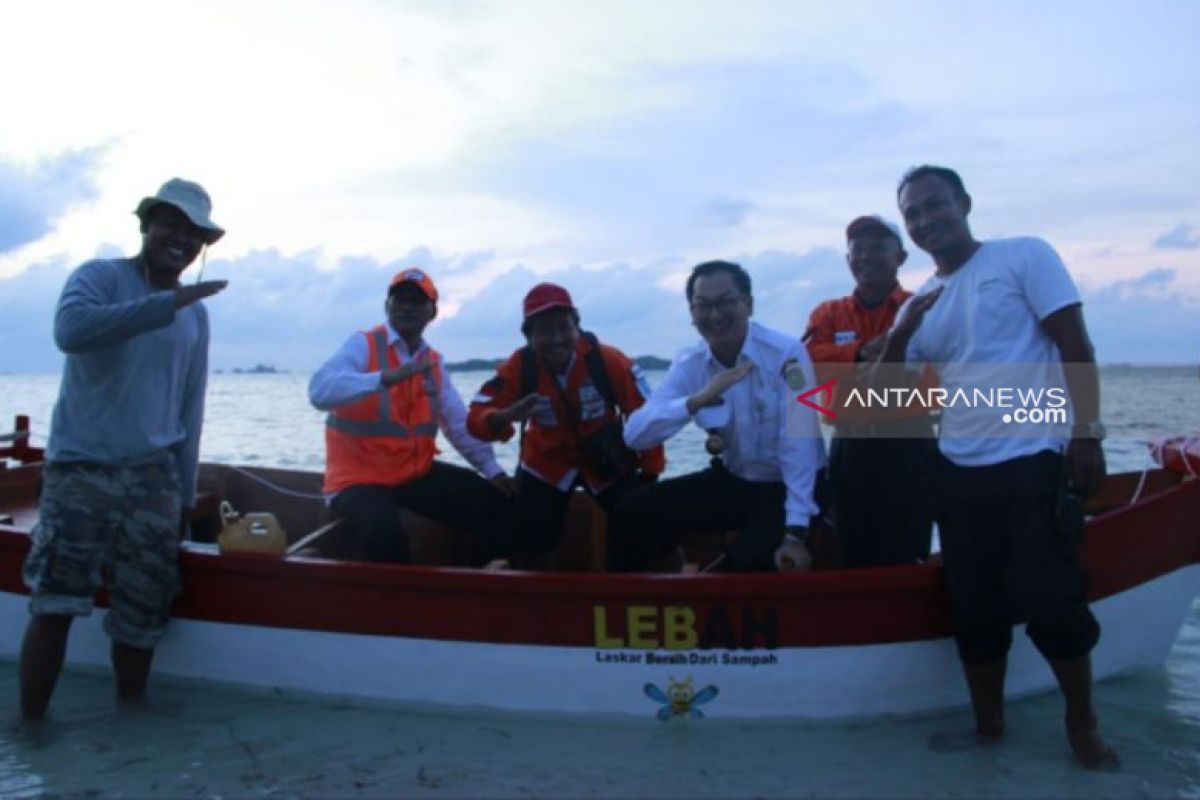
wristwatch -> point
(1089, 430)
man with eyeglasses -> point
(739, 384)
(880, 458)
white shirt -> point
(344, 379)
(768, 435)
(985, 332)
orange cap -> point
(417, 276)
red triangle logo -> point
(824, 387)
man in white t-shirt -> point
(1001, 321)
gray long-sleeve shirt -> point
(134, 379)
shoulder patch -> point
(793, 375)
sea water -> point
(200, 739)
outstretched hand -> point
(914, 312)
(520, 410)
(393, 375)
(718, 385)
(190, 293)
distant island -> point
(649, 363)
(258, 369)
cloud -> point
(1181, 237)
(1144, 319)
(32, 198)
(27, 324)
(293, 312)
(1152, 283)
(724, 212)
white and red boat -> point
(826, 644)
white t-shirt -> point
(984, 336)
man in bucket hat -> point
(124, 445)
(388, 393)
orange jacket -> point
(386, 438)
(551, 446)
(837, 330)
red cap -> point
(417, 276)
(546, 296)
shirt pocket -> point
(999, 312)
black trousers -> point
(649, 520)
(452, 495)
(1010, 539)
(881, 499)
(541, 509)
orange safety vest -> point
(386, 438)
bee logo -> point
(680, 699)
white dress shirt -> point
(344, 379)
(768, 435)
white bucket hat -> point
(191, 199)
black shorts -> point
(1011, 550)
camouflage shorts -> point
(98, 520)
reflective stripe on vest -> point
(385, 426)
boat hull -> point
(800, 682)
(821, 645)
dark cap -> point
(873, 225)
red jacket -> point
(551, 445)
(837, 330)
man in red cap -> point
(575, 393)
(879, 459)
(388, 393)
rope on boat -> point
(1183, 448)
(1155, 455)
(1145, 471)
(290, 493)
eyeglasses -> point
(722, 305)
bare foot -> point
(1090, 750)
(497, 565)
(32, 732)
(964, 740)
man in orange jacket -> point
(388, 393)
(574, 392)
(880, 460)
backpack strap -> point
(529, 372)
(529, 381)
(598, 373)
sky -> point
(606, 146)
